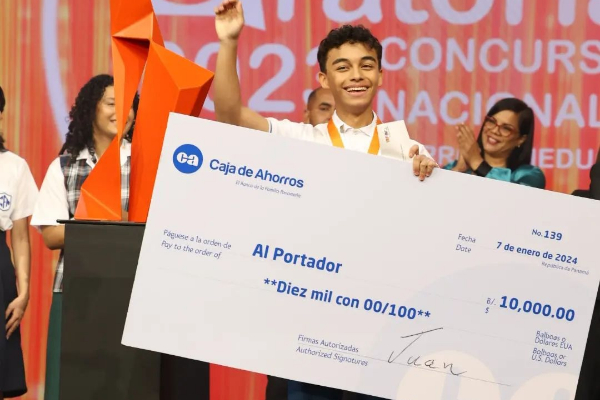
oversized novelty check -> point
(342, 269)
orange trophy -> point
(171, 84)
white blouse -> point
(18, 191)
(52, 204)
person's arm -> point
(459, 165)
(26, 197)
(470, 153)
(51, 206)
(229, 21)
(54, 236)
(22, 260)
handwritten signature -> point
(429, 363)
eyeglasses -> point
(503, 129)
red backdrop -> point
(445, 61)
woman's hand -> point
(461, 164)
(468, 147)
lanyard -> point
(336, 139)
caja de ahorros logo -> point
(188, 159)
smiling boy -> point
(350, 66)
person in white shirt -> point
(350, 67)
(18, 193)
(92, 128)
(350, 63)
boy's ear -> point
(323, 80)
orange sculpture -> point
(171, 84)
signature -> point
(416, 360)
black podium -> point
(100, 264)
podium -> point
(100, 264)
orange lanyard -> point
(336, 139)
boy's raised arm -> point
(229, 21)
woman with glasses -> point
(503, 148)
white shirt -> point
(52, 203)
(18, 191)
(357, 139)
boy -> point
(350, 63)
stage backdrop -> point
(445, 62)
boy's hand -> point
(422, 165)
(229, 20)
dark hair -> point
(2, 100)
(83, 114)
(2, 104)
(347, 34)
(520, 155)
(312, 95)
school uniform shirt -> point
(18, 191)
(357, 139)
(55, 202)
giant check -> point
(342, 269)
